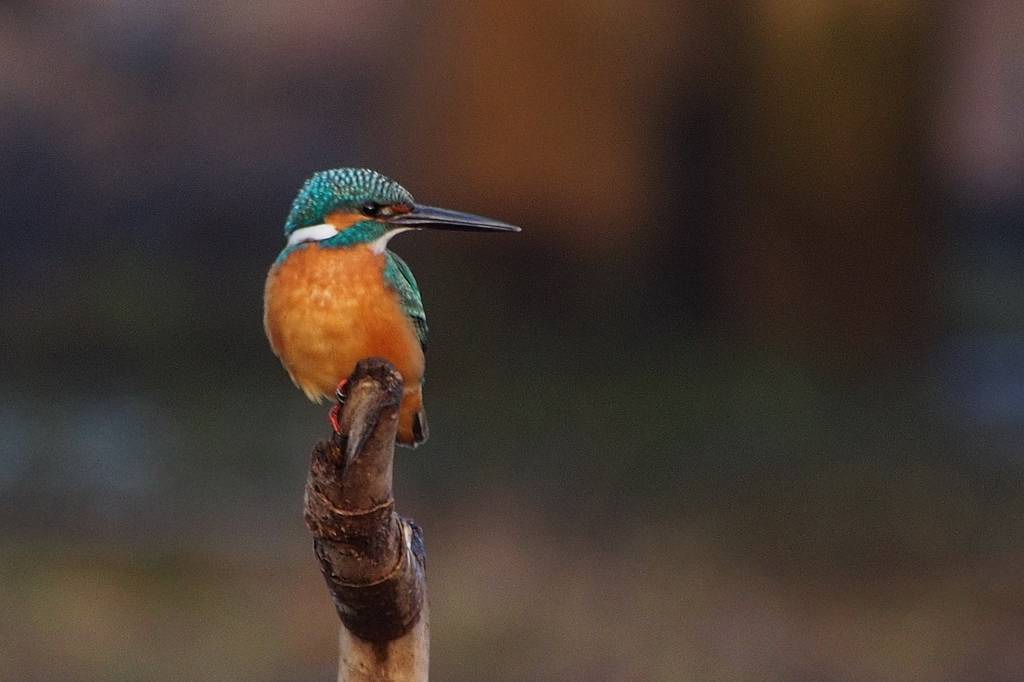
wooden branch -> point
(371, 558)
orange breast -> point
(327, 308)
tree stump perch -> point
(371, 558)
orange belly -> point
(327, 308)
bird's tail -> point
(412, 419)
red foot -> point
(335, 413)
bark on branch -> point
(371, 558)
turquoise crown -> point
(341, 188)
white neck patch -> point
(313, 233)
(380, 243)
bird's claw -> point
(335, 413)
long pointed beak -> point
(432, 218)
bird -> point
(337, 294)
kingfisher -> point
(336, 294)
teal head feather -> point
(349, 190)
(387, 208)
(342, 189)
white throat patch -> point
(380, 243)
(313, 233)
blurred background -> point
(744, 401)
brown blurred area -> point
(743, 401)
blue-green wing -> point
(400, 277)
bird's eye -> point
(370, 209)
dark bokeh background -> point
(743, 401)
